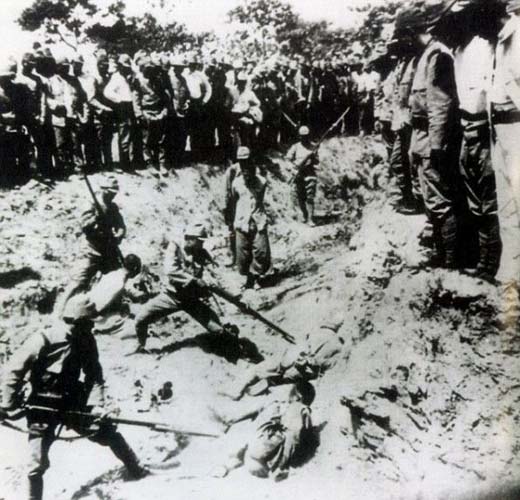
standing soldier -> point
(200, 93)
(102, 119)
(505, 117)
(32, 89)
(120, 93)
(10, 123)
(79, 114)
(153, 102)
(54, 364)
(409, 196)
(60, 100)
(246, 111)
(180, 101)
(183, 289)
(304, 158)
(474, 42)
(246, 202)
(103, 230)
(433, 104)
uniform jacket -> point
(95, 228)
(55, 363)
(297, 153)
(401, 114)
(182, 269)
(153, 99)
(181, 93)
(248, 202)
(506, 79)
(60, 100)
(433, 100)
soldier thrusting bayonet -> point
(55, 362)
(103, 229)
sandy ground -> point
(428, 363)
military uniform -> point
(120, 93)
(180, 101)
(55, 364)
(101, 236)
(473, 84)
(305, 179)
(153, 105)
(180, 292)
(433, 105)
(402, 128)
(250, 224)
(505, 117)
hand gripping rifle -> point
(102, 216)
(318, 144)
(232, 299)
(90, 418)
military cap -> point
(242, 77)
(109, 184)
(303, 131)
(238, 64)
(124, 60)
(421, 14)
(513, 6)
(79, 307)
(8, 67)
(243, 153)
(196, 230)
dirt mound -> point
(420, 403)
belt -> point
(503, 117)
(473, 117)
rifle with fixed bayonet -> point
(246, 309)
(101, 214)
(316, 147)
(92, 418)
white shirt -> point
(198, 85)
(118, 89)
(473, 70)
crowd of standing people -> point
(59, 115)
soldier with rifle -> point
(305, 158)
(55, 362)
(103, 229)
(183, 289)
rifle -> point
(318, 144)
(235, 300)
(155, 426)
(101, 214)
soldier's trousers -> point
(506, 161)
(253, 251)
(103, 129)
(14, 157)
(437, 191)
(125, 132)
(43, 434)
(306, 193)
(167, 303)
(400, 164)
(154, 143)
(480, 186)
(92, 263)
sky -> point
(199, 15)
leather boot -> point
(35, 487)
(448, 231)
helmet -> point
(243, 153)
(303, 131)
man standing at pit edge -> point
(246, 201)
